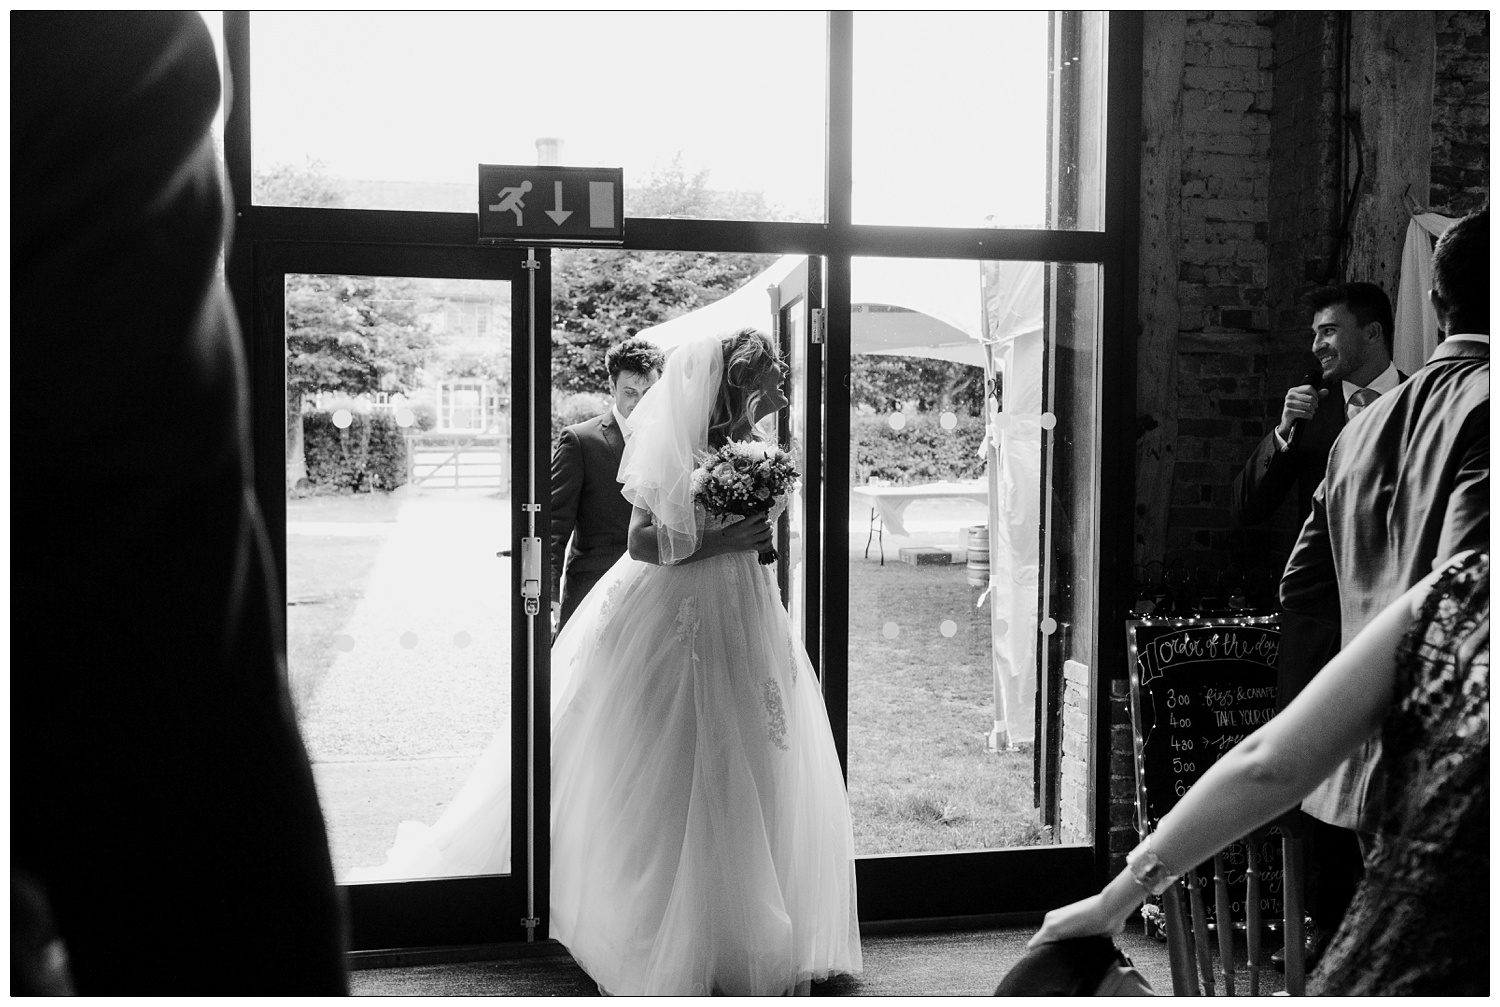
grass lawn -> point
(325, 579)
(920, 705)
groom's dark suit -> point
(1407, 485)
(587, 507)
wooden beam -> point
(1392, 55)
(1161, 240)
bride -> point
(701, 840)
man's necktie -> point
(1360, 399)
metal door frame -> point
(447, 911)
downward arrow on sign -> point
(557, 213)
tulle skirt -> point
(701, 840)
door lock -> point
(531, 573)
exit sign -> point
(540, 204)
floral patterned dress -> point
(1419, 923)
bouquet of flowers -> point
(743, 478)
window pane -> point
(397, 109)
(971, 532)
(398, 502)
(978, 119)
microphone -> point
(1313, 377)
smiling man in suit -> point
(587, 507)
(1352, 331)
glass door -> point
(797, 302)
(406, 458)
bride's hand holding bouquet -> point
(744, 479)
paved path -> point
(423, 676)
(425, 657)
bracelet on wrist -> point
(1148, 870)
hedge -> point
(371, 452)
(368, 454)
(575, 408)
(920, 452)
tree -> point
(350, 335)
(600, 297)
(672, 192)
(354, 335)
(305, 184)
(884, 382)
(487, 366)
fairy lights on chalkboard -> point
(1142, 814)
(1194, 621)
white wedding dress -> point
(701, 840)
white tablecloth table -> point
(889, 503)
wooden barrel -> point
(979, 556)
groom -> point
(587, 506)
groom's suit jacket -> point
(587, 507)
(1407, 486)
(1258, 492)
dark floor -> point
(952, 963)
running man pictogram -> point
(510, 199)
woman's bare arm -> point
(1268, 772)
(753, 534)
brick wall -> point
(1122, 828)
(1303, 209)
(1223, 276)
(1461, 113)
(1074, 792)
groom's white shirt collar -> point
(621, 422)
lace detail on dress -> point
(775, 714)
(687, 619)
(1411, 927)
(610, 598)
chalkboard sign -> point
(1198, 687)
